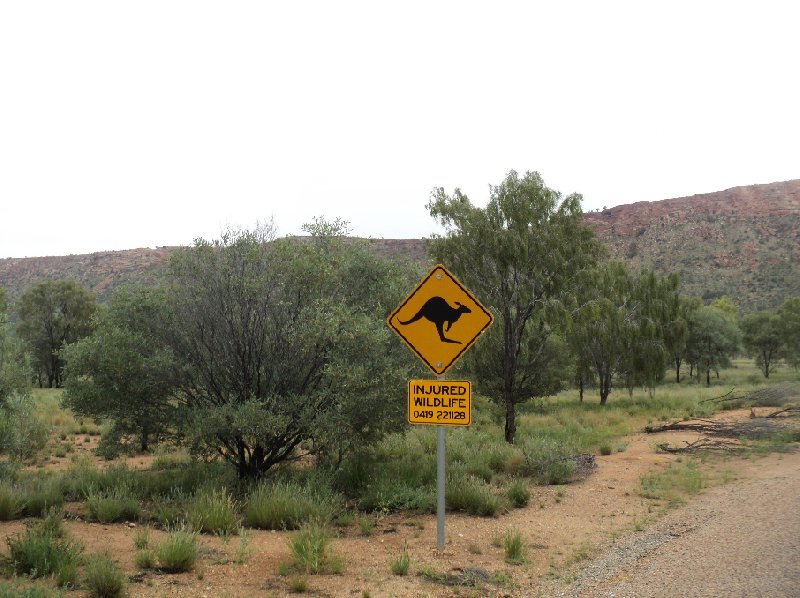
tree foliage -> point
(15, 373)
(124, 371)
(53, 314)
(763, 338)
(789, 313)
(521, 255)
(622, 329)
(283, 345)
(713, 340)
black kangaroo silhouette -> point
(437, 310)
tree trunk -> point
(605, 388)
(708, 377)
(580, 390)
(511, 421)
(678, 370)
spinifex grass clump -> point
(400, 565)
(288, 505)
(514, 547)
(213, 511)
(39, 495)
(113, 505)
(518, 493)
(11, 502)
(178, 551)
(39, 553)
(310, 550)
(104, 579)
(465, 492)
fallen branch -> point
(787, 412)
(702, 444)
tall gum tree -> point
(521, 256)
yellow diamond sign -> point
(439, 320)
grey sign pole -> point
(440, 484)
(440, 479)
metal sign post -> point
(440, 487)
(439, 320)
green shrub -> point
(298, 585)
(53, 523)
(39, 495)
(103, 578)
(366, 525)
(178, 551)
(399, 566)
(310, 552)
(36, 553)
(11, 503)
(519, 494)
(145, 559)
(141, 539)
(472, 495)
(514, 547)
(15, 589)
(214, 511)
(113, 505)
(605, 449)
(547, 460)
(288, 505)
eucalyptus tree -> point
(678, 333)
(15, 372)
(789, 313)
(521, 256)
(123, 371)
(713, 340)
(51, 315)
(620, 330)
(763, 337)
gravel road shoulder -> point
(742, 539)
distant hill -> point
(743, 242)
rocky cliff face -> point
(743, 242)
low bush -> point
(141, 539)
(113, 505)
(310, 550)
(11, 502)
(178, 551)
(400, 565)
(548, 460)
(103, 578)
(15, 589)
(213, 511)
(465, 492)
(36, 553)
(518, 493)
(39, 495)
(288, 505)
(514, 548)
(145, 559)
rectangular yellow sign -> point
(445, 402)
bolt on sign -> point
(444, 403)
(439, 320)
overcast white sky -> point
(135, 124)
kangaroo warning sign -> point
(439, 320)
(444, 403)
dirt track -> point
(739, 540)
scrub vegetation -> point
(262, 377)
